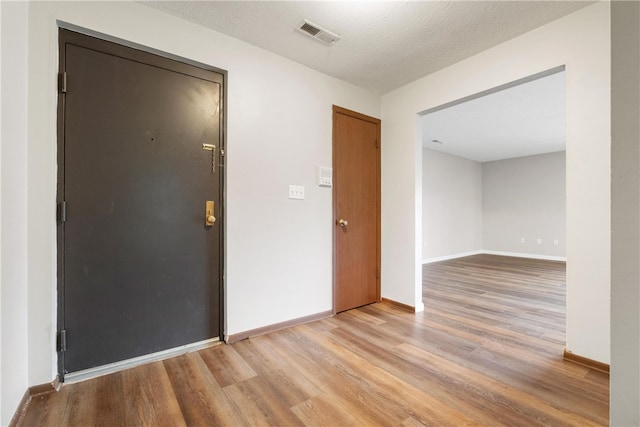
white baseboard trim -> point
(488, 252)
(99, 371)
(452, 256)
(532, 256)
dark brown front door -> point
(139, 269)
(356, 165)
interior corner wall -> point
(451, 205)
(13, 226)
(279, 129)
(524, 198)
(581, 42)
(625, 214)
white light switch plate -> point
(325, 176)
(296, 192)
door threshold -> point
(99, 371)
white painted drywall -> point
(579, 41)
(279, 130)
(13, 225)
(470, 207)
(451, 205)
(524, 198)
(625, 214)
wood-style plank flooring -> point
(487, 350)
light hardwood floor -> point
(486, 351)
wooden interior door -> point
(356, 175)
(140, 270)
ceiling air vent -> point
(318, 33)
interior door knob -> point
(343, 223)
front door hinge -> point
(62, 211)
(62, 340)
(377, 273)
(377, 143)
(62, 82)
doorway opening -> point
(494, 183)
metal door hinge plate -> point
(62, 340)
(62, 211)
(62, 82)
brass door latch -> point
(209, 217)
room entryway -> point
(140, 193)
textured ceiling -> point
(385, 44)
(520, 121)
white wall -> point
(470, 207)
(625, 220)
(451, 205)
(279, 251)
(579, 41)
(525, 198)
(13, 226)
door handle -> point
(343, 223)
(209, 217)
